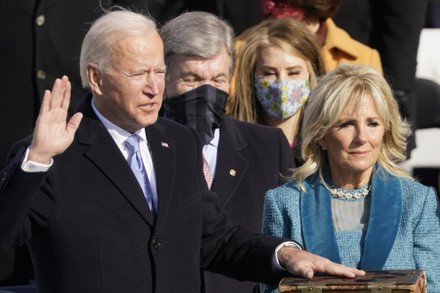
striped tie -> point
(137, 165)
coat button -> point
(232, 172)
(40, 20)
(41, 74)
(156, 243)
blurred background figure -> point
(277, 67)
(337, 45)
(393, 28)
(433, 14)
(240, 14)
(406, 35)
(351, 194)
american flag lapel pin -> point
(164, 144)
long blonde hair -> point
(287, 34)
(344, 86)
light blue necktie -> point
(137, 165)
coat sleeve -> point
(427, 238)
(18, 207)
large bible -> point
(395, 281)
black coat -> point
(89, 228)
(40, 40)
(251, 160)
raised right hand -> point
(52, 133)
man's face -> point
(188, 73)
(130, 93)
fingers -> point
(67, 92)
(46, 102)
(60, 93)
(74, 122)
(54, 97)
(333, 269)
(308, 273)
(306, 264)
(340, 270)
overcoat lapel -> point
(105, 154)
(162, 148)
(231, 164)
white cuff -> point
(275, 262)
(30, 166)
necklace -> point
(348, 194)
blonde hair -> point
(348, 85)
(287, 34)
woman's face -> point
(274, 63)
(353, 144)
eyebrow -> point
(351, 118)
(288, 68)
(196, 75)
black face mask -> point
(201, 109)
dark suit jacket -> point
(89, 228)
(40, 41)
(250, 161)
(232, 11)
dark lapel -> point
(231, 164)
(162, 148)
(105, 154)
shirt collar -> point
(215, 140)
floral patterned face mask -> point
(281, 99)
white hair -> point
(105, 32)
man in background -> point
(242, 160)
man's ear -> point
(94, 77)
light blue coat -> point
(403, 229)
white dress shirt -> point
(210, 151)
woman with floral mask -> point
(277, 67)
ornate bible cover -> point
(396, 281)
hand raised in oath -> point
(53, 134)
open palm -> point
(53, 134)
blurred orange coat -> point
(339, 48)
